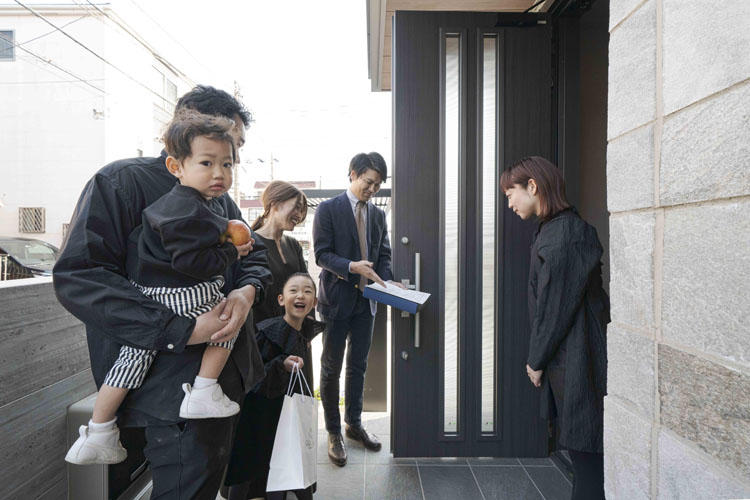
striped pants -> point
(133, 363)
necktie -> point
(361, 230)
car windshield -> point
(30, 253)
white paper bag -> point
(296, 445)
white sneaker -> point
(207, 402)
(96, 448)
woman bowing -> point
(569, 311)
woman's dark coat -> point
(569, 312)
(292, 262)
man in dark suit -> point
(352, 247)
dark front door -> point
(470, 97)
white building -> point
(79, 87)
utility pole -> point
(272, 162)
(236, 181)
(236, 196)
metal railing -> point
(3, 267)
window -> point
(31, 220)
(167, 89)
(170, 93)
(7, 45)
(254, 213)
(489, 212)
(31, 252)
(451, 217)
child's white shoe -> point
(207, 402)
(100, 447)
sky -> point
(302, 71)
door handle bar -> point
(417, 286)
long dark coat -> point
(569, 312)
(281, 271)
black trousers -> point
(588, 475)
(187, 460)
(282, 495)
(352, 335)
(240, 492)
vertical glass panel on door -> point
(451, 232)
(488, 232)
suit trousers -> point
(352, 335)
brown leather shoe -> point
(359, 433)
(336, 449)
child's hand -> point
(245, 249)
(291, 360)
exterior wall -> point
(50, 136)
(130, 120)
(55, 134)
(677, 417)
(44, 369)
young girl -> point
(175, 257)
(569, 312)
(282, 344)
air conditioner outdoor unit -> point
(129, 480)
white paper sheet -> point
(410, 295)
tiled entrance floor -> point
(377, 475)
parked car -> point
(26, 258)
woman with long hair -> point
(569, 311)
(284, 207)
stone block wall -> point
(677, 417)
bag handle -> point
(294, 375)
(301, 378)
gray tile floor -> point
(377, 475)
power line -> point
(188, 52)
(48, 33)
(96, 15)
(138, 38)
(49, 61)
(85, 47)
(39, 82)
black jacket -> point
(277, 340)
(91, 282)
(177, 245)
(569, 312)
